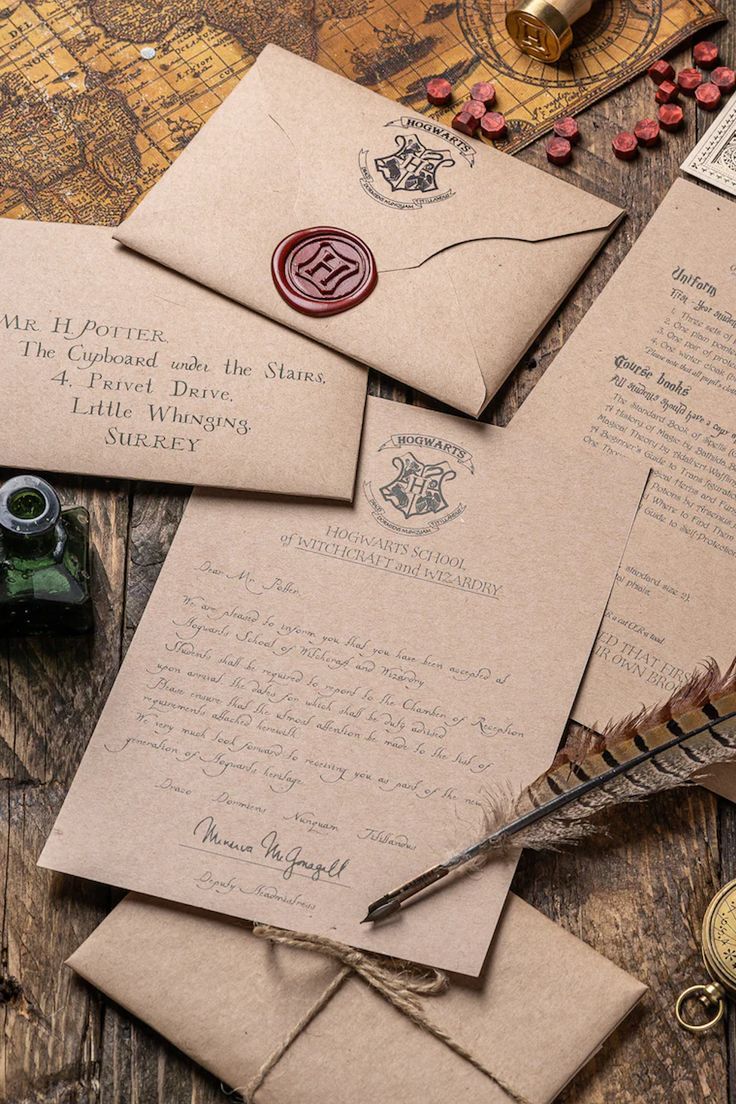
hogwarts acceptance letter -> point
(650, 372)
(319, 696)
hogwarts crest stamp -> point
(419, 492)
(418, 168)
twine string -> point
(400, 986)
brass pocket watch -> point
(719, 957)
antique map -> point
(98, 97)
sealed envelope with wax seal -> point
(378, 232)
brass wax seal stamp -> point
(719, 957)
(543, 29)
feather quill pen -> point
(648, 752)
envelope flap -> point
(405, 184)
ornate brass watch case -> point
(719, 956)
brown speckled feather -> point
(646, 753)
(653, 750)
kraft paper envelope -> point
(319, 698)
(474, 250)
(544, 1005)
(650, 373)
(112, 365)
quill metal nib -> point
(381, 911)
(390, 903)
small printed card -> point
(112, 365)
(714, 157)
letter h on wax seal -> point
(323, 271)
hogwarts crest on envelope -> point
(413, 168)
(450, 223)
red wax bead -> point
(567, 128)
(624, 145)
(559, 151)
(465, 123)
(474, 108)
(646, 132)
(667, 92)
(661, 71)
(705, 54)
(484, 92)
(493, 125)
(439, 91)
(688, 80)
(724, 78)
(670, 116)
(708, 96)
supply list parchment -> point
(650, 373)
(319, 699)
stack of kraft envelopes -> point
(321, 694)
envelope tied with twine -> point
(542, 1007)
(473, 250)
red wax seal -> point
(667, 92)
(484, 92)
(688, 80)
(661, 71)
(559, 151)
(323, 271)
(705, 54)
(466, 123)
(646, 132)
(670, 116)
(724, 78)
(708, 96)
(439, 91)
(567, 128)
(493, 126)
(624, 145)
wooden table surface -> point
(638, 898)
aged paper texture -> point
(415, 193)
(650, 373)
(319, 698)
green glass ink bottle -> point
(44, 561)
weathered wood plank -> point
(51, 693)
